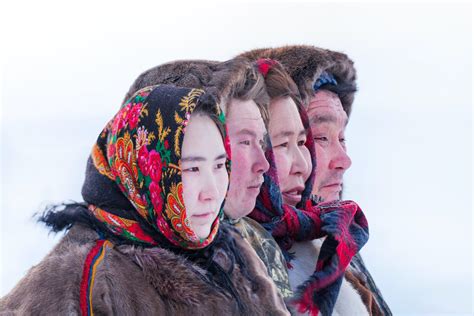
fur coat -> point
(137, 281)
(222, 76)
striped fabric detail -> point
(93, 259)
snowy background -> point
(66, 67)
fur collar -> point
(170, 273)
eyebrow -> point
(247, 132)
(325, 118)
(289, 133)
(250, 133)
(199, 158)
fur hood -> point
(217, 78)
(134, 280)
(187, 73)
(305, 64)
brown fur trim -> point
(364, 292)
(159, 264)
(183, 73)
(305, 64)
(218, 78)
(132, 280)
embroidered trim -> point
(93, 259)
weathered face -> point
(328, 122)
(204, 173)
(246, 132)
(292, 157)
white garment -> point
(306, 254)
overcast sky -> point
(67, 66)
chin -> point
(291, 203)
(331, 197)
(203, 234)
(239, 212)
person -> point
(318, 239)
(148, 239)
(241, 89)
(326, 81)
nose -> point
(299, 164)
(260, 164)
(209, 190)
(340, 160)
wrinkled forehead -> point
(325, 107)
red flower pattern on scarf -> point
(134, 115)
(143, 144)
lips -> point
(202, 214)
(202, 217)
(255, 187)
(292, 196)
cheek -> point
(282, 163)
(321, 158)
(239, 165)
(222, 184)
(307, 158)
(190, 194)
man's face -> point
(246, 132)
(328, 122)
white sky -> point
(66, 67)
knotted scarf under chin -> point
(342, 223)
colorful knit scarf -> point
(133, 180)
(342, 222)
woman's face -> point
(292, 157)
(204, 173)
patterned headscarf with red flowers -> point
(342, 223)
(133, 181)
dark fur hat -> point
(218, 78)
(305, 64)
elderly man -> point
(327, 83)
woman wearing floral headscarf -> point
(148, 240)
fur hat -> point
(217, 78)
(305, 64)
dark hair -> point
(245, 83)
(280, 85)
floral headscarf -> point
(139, 153)
(342, 222)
